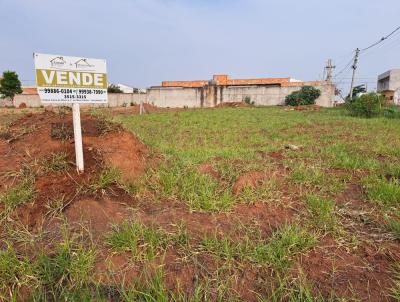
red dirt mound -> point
(208, 170)
(38, 136)
(250, 180)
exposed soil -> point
(208, 169)
(250, 180)
(364, 270)
(116, 148)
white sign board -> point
(62, 79)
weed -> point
(13, 272)
(66, 274)
(105, 125)
(141, 241)
(181, 236)
(283, 245)
(321, 211)
(199, 191)
(61, 131)
(226, 248)
(57, 161)
(106, 179)
(294, 290)
(382, 191)
(56, 206)
(393, 225)
(395, 290)
(151, 289)
(277, 251)
(23, 192)
(341, 156)
(315, 177)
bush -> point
(248, 101)
(306, 96)
(391, 112)
(368, 105)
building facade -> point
(389, 85)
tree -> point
(114, 89)
(306, 96)
(10, 85)
(357, 90)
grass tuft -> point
(144, 243)
(283, 245)
(393, 226)
(106, 179)
(21, 193)
(57, 161)
(382, 191)
(322, 212)
(199, 191)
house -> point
(128, 89)
(389, 85)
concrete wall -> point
(175, 97)
(114, 100)
(211, 96)
(208, 96)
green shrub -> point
(248, 100)
(391, 112)
(368, 105)
(306, 96)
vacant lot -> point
(227, 204)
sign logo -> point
(83, 64)
(57, 62)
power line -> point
(381, 40)
(344, 68)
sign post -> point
(66, 80)
(76, 119)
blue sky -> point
(148, 41)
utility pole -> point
(354, 72)
(329, 70)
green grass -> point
(394, 227)
(278, 251)
(62, 275)
(336, 149)
(232, 139)
(382, 191)
(14, 272)
(144, 243)
(317, 178)
(395, 290)
(21, 193)
(322, 212)
(284, 244)
(226, 248)
(106, 179)
(198, 191)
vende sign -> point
(74, 80)
(63, 79)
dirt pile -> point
(36, 142)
